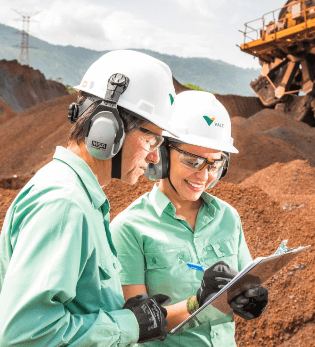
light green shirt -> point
(154, 245)
(59, 281)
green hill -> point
(70, 63)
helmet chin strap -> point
(116, 165)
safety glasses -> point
(152, 140)
(196, 163)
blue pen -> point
(197, 267)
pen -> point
(197, 266)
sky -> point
(186, 28)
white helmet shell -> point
(201, 120)
(150, 92)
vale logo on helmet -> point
(99, 145)
(211, 120)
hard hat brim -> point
(202, 142)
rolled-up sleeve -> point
(130, 252)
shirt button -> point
(153, 260)
(114, 265)
(181, 256)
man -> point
(58, 267)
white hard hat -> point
(150, 92)
(201, 120)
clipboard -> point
(252, 275)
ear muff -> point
(160, 170)
(222, 172)
(104, 129)
(104, 132)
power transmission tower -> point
(25, 36)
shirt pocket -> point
(167, 273)
(222, 250)
(109, 267)
(166, 258)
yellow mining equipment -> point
(285, 46)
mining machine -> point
(284, 42)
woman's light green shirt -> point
(59, 283)
(154, 245)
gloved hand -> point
(251, 303)
(151, 316)
(214, 279)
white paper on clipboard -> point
(254, 274)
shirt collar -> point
(86, 175)
(162, 203)
(211, 203)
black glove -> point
(214, 279)
(151, 316)
(251, 303)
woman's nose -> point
(153, 157)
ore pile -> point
(270, 183)
(22, 87)
(28, 140)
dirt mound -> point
(21, 87)
(291, 184)
(266, 138)
(296, 177)
(240, 106)
(28, 140)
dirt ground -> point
(271, 183)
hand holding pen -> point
(214, 279)
(250, 304)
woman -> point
(178, 222)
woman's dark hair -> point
(77, 131)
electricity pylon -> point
(25, 36)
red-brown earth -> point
(22, 87)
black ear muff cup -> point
(160, 170)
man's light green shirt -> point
(59, 281)
(154, 245)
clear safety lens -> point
(195, 163)
(151, 140)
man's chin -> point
(130, 179)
